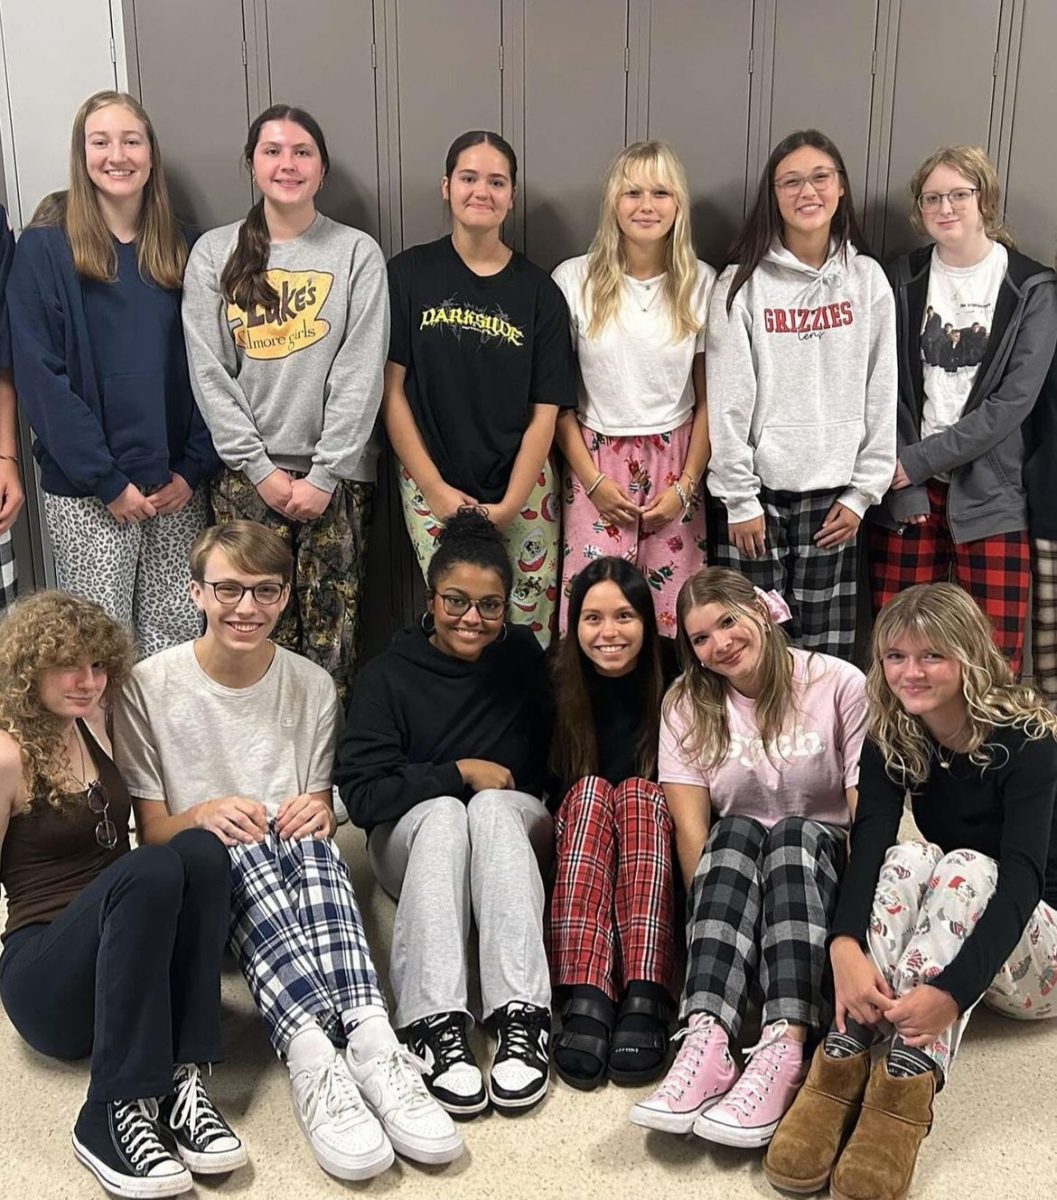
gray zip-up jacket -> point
(984, 451)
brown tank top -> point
(51, 854)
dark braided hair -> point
(469, 537)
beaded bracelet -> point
(601, 476)
(683, 497)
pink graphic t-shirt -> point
(810, 767)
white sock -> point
(369, 1032)
(309, 1049)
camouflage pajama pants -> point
(322, 620)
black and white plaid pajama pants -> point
(819, 585)
(758, 912)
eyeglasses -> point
(959, 198)
(99, 803)
(821, 180)
(490, 608)
(229, 592)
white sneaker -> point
(346, 1139)
(390, 1083)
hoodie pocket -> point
(802, 458)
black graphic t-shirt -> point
(479, 352)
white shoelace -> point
(139, 1134)
(193, 1108)
(688, 1060)
(336, 1090)
(403, 1074)
(764, 1063)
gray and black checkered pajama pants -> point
(820, 586)
(758, 913)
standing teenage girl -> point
(957, 497)
(801, 390)
(101, 371)
(479, 365)
(759, 759)
(107, 952)
(926, 929)
(637, 448)
(612, 920)
(287, 322)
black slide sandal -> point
(585, 1043)
(654, 1039)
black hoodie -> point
(415, 711)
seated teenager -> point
(759, 759)
(107, 952)
(442, 762)
(234, 734)
(926, 929)
(612, 940)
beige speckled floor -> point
(995, 1136)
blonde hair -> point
(642, 163)
(972, 163)
(252, 548)
(947, 619)
(161, 249)
(46, 630)
(702, 694)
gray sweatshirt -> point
(298, 386)
(802, 382)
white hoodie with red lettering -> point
(802, 382)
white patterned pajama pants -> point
(926, 905)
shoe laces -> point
(696, 1038)
(448, 1033)
(763, 1066)
(192, 1107)
(519, 1031)
(334, 1088)
(136, 1124)
(403, 1073)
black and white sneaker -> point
(520, 1070)
(119, 1142)
(204, 1140)
(452, 1074)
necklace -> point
(644, 292)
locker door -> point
(575, 93)
(822, 78)
(1031, 190)
(190, 62)
(448, 80)
(699, 102)
(943, 81)
(319, 58)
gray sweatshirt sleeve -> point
(1006, 408)
(353, 391)
(876, 460)
(731, 375)
(213, 361)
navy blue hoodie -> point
(101, 373)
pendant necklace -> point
(651, 288)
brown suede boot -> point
(807, 1142)
(878, 1161)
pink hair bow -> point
(775, 605)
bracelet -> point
(692, 478)
(684, 499)
(601, 475)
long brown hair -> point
(701, 694)
(244, 280)
(574, 752)
(161, 248)
(946, 619)
(764, 222)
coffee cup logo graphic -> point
(290, 324)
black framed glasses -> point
(99, 803)
(959, 198)
(489, 608)
(228, 592)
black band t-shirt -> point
(479, 352)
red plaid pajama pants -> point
(994, 570)
(612, 911)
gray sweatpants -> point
(445, 862)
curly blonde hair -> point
(946, 619)
(46, 630)
(703, 693)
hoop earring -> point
(504, 633)
(428, 624)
